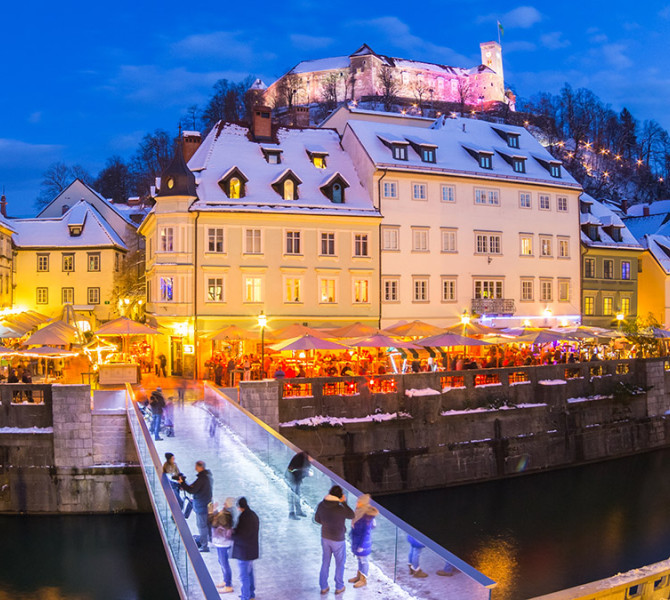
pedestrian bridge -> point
(247, 458)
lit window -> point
(252, 241)
(625, 306)
(420, 290)
(93, 295)
(390, 238)
(545, 203)
(526, 245)
(625, 269)
(590, 267)
(327, 291)
(361, 244)
(319, 162)
(68, 263)
(215, 289)
(328, 244)
(42, 295)
(546, 290)
(589, 306)
(253, 287)
(608, 269)
(419, 191)
(448, 290)
(390, 189)
(562, 204)
(608, 305)
(390, 290)
(235, 188)
(448, 193)
(361, 291)
(293, 290)
(488, 289)
(215, 239)
(93, 261)
(545, 246)
(292, 242)
(527, 290)
(167, 239)
(167, 289)
(42, 262)
(289, 190)
(563, 248)
(524, 200)
(420, 240)
(449, 240)
(67, 295)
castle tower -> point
(492, 58)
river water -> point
(115, 557)
(536, 534)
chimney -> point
(261, 123)
(645, 210)
(300, 116)
(190, 142)
(3, 205)
(624, 206)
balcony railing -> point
(493, 306)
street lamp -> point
(619, 319)
(262, 322)
(465, 318)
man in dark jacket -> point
(297, 470)
(245, 547)
(201, 489)
(331, 514)
(157, 404)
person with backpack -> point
(157, 404)
(222, 540)
(361, 538)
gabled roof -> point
(55, 232)
(605, 219)
(177, 172)
(659, 247)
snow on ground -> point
(422, 392)
(26, 429)
(340, 421)
(587, 398)
(281, 572)
(552, 382)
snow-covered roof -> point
(229, 145)
(258, 84)
(453, 137)
(43, 232)
(189, 133)
(321, 64)
(603, 217)
(641, 226)
(659, 246)
(654, 208)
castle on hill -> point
(361, 76)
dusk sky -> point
(87, 80)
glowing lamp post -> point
(262, 322)
(619, 319)
(465, 318)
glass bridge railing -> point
(193, 579)
(390, 538)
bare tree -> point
(420, 89)
(190, 120)
(152, 156)
(464, 93)
(350, 83)
(287, 89)
(388, 87)
(329, 91)
(130, 284)
(57, 177)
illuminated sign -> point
(189, 349)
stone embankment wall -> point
(62, 456)
(439, 429)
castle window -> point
(233, 184)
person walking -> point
(27, 377)
(162, 364)
(297, 470)
(171, 469)
(201, 490)
(245, 547)
(222, 540)
(361, 538)
(414, 558)
(331, 514)
(157, 404)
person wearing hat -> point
(361, 538)
(171, 469)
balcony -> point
(501, 307)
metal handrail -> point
(454, 560)
(201, 571)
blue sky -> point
(82, 81)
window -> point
(252, 241)
(564, 290)
(608, 305)
(661, 583)
(545, 246)
(337, 193)
(519, 165)
(555, 170)
(292, 242)
(589, 306)
(215, 289)
(484, 196)
(390, 238)
(625, 269)
(68, 263)
(485, 161)
(448, 240)
(590, 267)
(289, 190)
(428, 155)
(524, 200)
(235, 188)
(167, 239)
(94, 261)
(527, 290)
(42, 262)
(361, 291)
(488, 288)
(273, 158)
(390, 290)
(327, 291)
(361, 244)
(448, 193)
(319, 161)
(420, 289)
(399, 152)
(419, 191)
(488, 243)
(118, 260)
(292, 290)
(562, 204)
(625, 306)
(253, 288)
(42, 295)
(608, 269)
(93, 295)
(328, 244)
(448, 289)
(546, 290)
(545, 202)
(563, 248)
(167, 289)
(390, 189)
(526, 245)
(513, 140)
(67, 295)
(215, 239)
(419, 240)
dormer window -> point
(584, 207)
(286, 185)
(398, 146)
(555, 170)
(272, 155)
(592, 232)
(519, 165)
(483, 157)
(513, 140)
(425, 150)
(318, 157)
(334, 188)
(233, 183)
(399, 152)
(428, 155)
(551, 165)
(485, 161)
(75, 230)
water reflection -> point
(497, 558)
